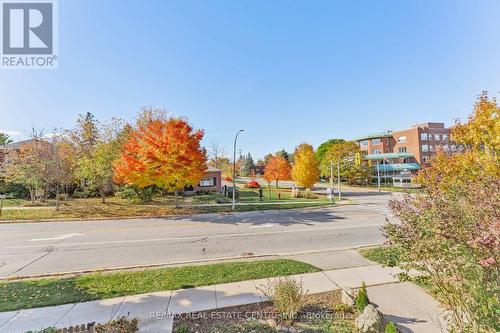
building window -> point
(376, 151)
(376, 142)
(423, 136)
(425, 159)
(402, 149)
(402, 139)
(432, 148)
(445, 137)
(425, 148)
(208, 182)
(363, 143)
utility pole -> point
(331, 175)
(338, 179)
(378, 176)
(234, 167)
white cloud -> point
(15, 135)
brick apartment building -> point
(405, 151)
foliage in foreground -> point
(120, 325)
(362, 300)
(390, 328)
(45, 292)
(452, 234)
(287, 296)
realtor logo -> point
(28, 34)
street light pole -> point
(234, 167)
(338, 179)
(378, 176)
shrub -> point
(228, 179)
(342, 310)
(230, 193)
(210, 198)
(287, 296)
(45, 330)
(362, 300)
(252, 184)
(391, 328)
(14, 191)
(135, 194)
(450, 233)
(120, 325)
(182, 328)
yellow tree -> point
(162, 151)
(305, 170)
(452, 233)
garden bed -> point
(321, 312)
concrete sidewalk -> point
(155, 310)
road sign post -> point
(2, 198)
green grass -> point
(26, 294)
(13, 202)
(385, 255)
(116, 208)
(275, 195)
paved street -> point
(50, 247)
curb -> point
(180, 263)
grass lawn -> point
(116, 210)
(26, 294)
(390, 256)
(385, 255)
(274, 194)
(13, 202)
(81, 208)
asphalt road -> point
(53, 247)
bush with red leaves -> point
(252, 184)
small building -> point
(211, 182)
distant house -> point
(211, 182)
(13, 147)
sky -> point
(286, 72)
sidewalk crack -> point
(215, 294)
(64, 314)
(15, 314)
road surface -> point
(53, 247)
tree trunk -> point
(32, 195)
(57, 197)
(277, 183)
(103, 195)
(176, 198)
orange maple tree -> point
(277, 169)
(161, 151)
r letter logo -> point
(28, 34)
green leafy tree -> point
(96, 163)
(324, 147)
(286, 155)
(4, 139)
(248, 166)
(350, 170)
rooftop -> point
(399, 167)
(387, 156)
(386, 134)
